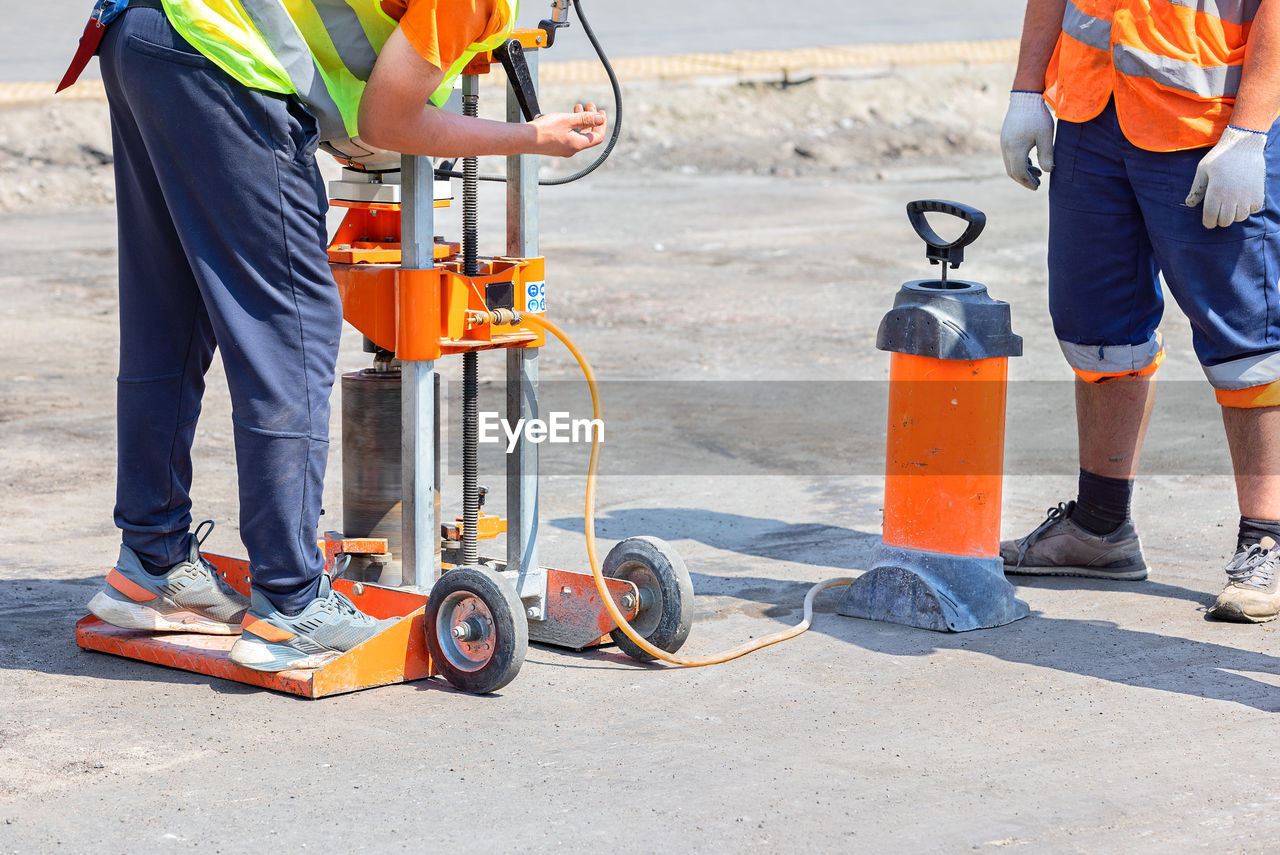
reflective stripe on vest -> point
(451, 74)
(308, 82)
(1218, 82)
(321, 50)
(1173, 66)
(1086, 29)
(1232, 11)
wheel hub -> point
(468, 630)
(650, 599)
(465, 631)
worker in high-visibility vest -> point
(1164, 162)
(217, 107)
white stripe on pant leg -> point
(1245, 373)
(1111, 358)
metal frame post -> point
(522, 380)
(419, 523)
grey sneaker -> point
(1059, 547)
(1252, 594)
(191, 597)
(329, 626)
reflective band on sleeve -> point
(348, 35)
(1245, 373)
(1112, 359)
(291, 51)
(1232, 11)
(1219, 81)
(1086, 29)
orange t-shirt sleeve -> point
(440, 30)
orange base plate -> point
(396, 655)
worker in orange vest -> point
(1164, 162)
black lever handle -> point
(940, 251)
(550, 27)
(511, 54)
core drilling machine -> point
(418, 298)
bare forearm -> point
(1258, 100)
(1041, 26)
(395, 114)
(439, 133)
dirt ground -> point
(740, 250)
(56, 155)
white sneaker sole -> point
(137, 616)
(264, 656)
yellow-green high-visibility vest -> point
(320, 50)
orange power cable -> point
(589, 526)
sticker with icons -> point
(535, 297)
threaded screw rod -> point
(470, 359)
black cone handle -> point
(941, 251)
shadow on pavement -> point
(1093, 648)
(38, 633)
(37, 618)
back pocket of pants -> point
(170, 54)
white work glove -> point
(1028, 124)
(1231, 178)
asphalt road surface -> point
(1115, 719)
(726, 278)
(37, 40)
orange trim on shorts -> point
(1099, 377)
(1266, 395)
(128, 587)
(264, 630)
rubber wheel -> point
(483, 605)
(666, 594)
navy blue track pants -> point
(222, 245)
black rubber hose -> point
(613, 136)
(617, 108)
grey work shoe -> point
(1252, 594)
(191, 597)
(1059, 547)
(329, 626)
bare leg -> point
(1112, 421)
(1112, 418)
(1253, 435)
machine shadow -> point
(38, 616)
(817, 544)
(38, 633)
(1099, 649)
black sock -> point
(1103, 503)
(1253, 530)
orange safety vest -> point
(1173, 67)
